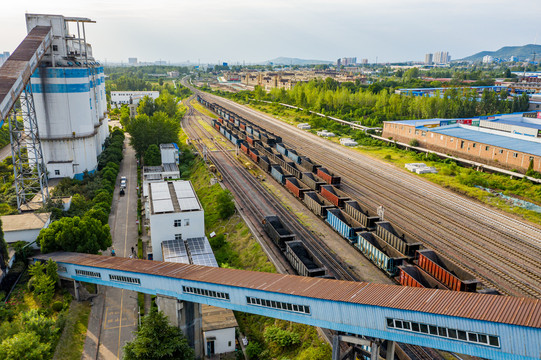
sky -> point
(237, 31)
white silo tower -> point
(69, 96)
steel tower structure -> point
(28, 163)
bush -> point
(414, 142)
(226, 206)
(253, 350)
(57, 306)
(282, 338)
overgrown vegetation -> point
(32, 320)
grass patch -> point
(202, 109)
(72, 340)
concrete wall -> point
(224, 340)
(22, 235)
(467, 149)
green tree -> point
(147, 106)
(4, 256)
(85, 235)
(97, 212)
(156, 340)
(153, 156)
(24, 345)
(226, 206)
(157, 129)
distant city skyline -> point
(237, 31)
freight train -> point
(298, 255)
(319, 189)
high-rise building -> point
(442, 57)
(429, 59)
(348, 61)
(132, 61)
(364, 61)
(338, 63)
(69, 98)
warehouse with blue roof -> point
(511, 141)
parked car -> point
(122, 192)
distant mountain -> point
(295, 61)
(521, 52)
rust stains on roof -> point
(492, 308)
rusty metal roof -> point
(16, 71)
(493, 308)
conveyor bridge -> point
(487, 326)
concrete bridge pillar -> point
(186, 316)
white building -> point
(119, 98)
(304, 126)
(429, 59)
(24, 227)
(69, 98)
(442, 57)
(132, 61)
(487, 59)
(175, 213)
(218, 330)
(325, 133)
(169, 153)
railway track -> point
(417, 353)
(333, 264)
(492, 248)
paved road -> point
(120, 314)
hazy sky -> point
(256, 30)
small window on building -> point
(178, 236)
(474, 145)
(186, 222)
(409, 131)
(57, 172)
(515, 155)
(177, 223)
(487, 148)
(416, 132)
(55, 47)
(451, 139)
(441, 137)
(501, 151)
(423, 133)
(229, 343)
(531, 158)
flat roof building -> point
(24, 227)
(510, 141)
(175, 213)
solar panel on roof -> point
(204, 259)
(187, 204)
(198, 246)
(175, 251)
(183, 189)
(163, 205)
(160, 190)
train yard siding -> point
(385, 248)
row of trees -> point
(84, 227)
(373, 105)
